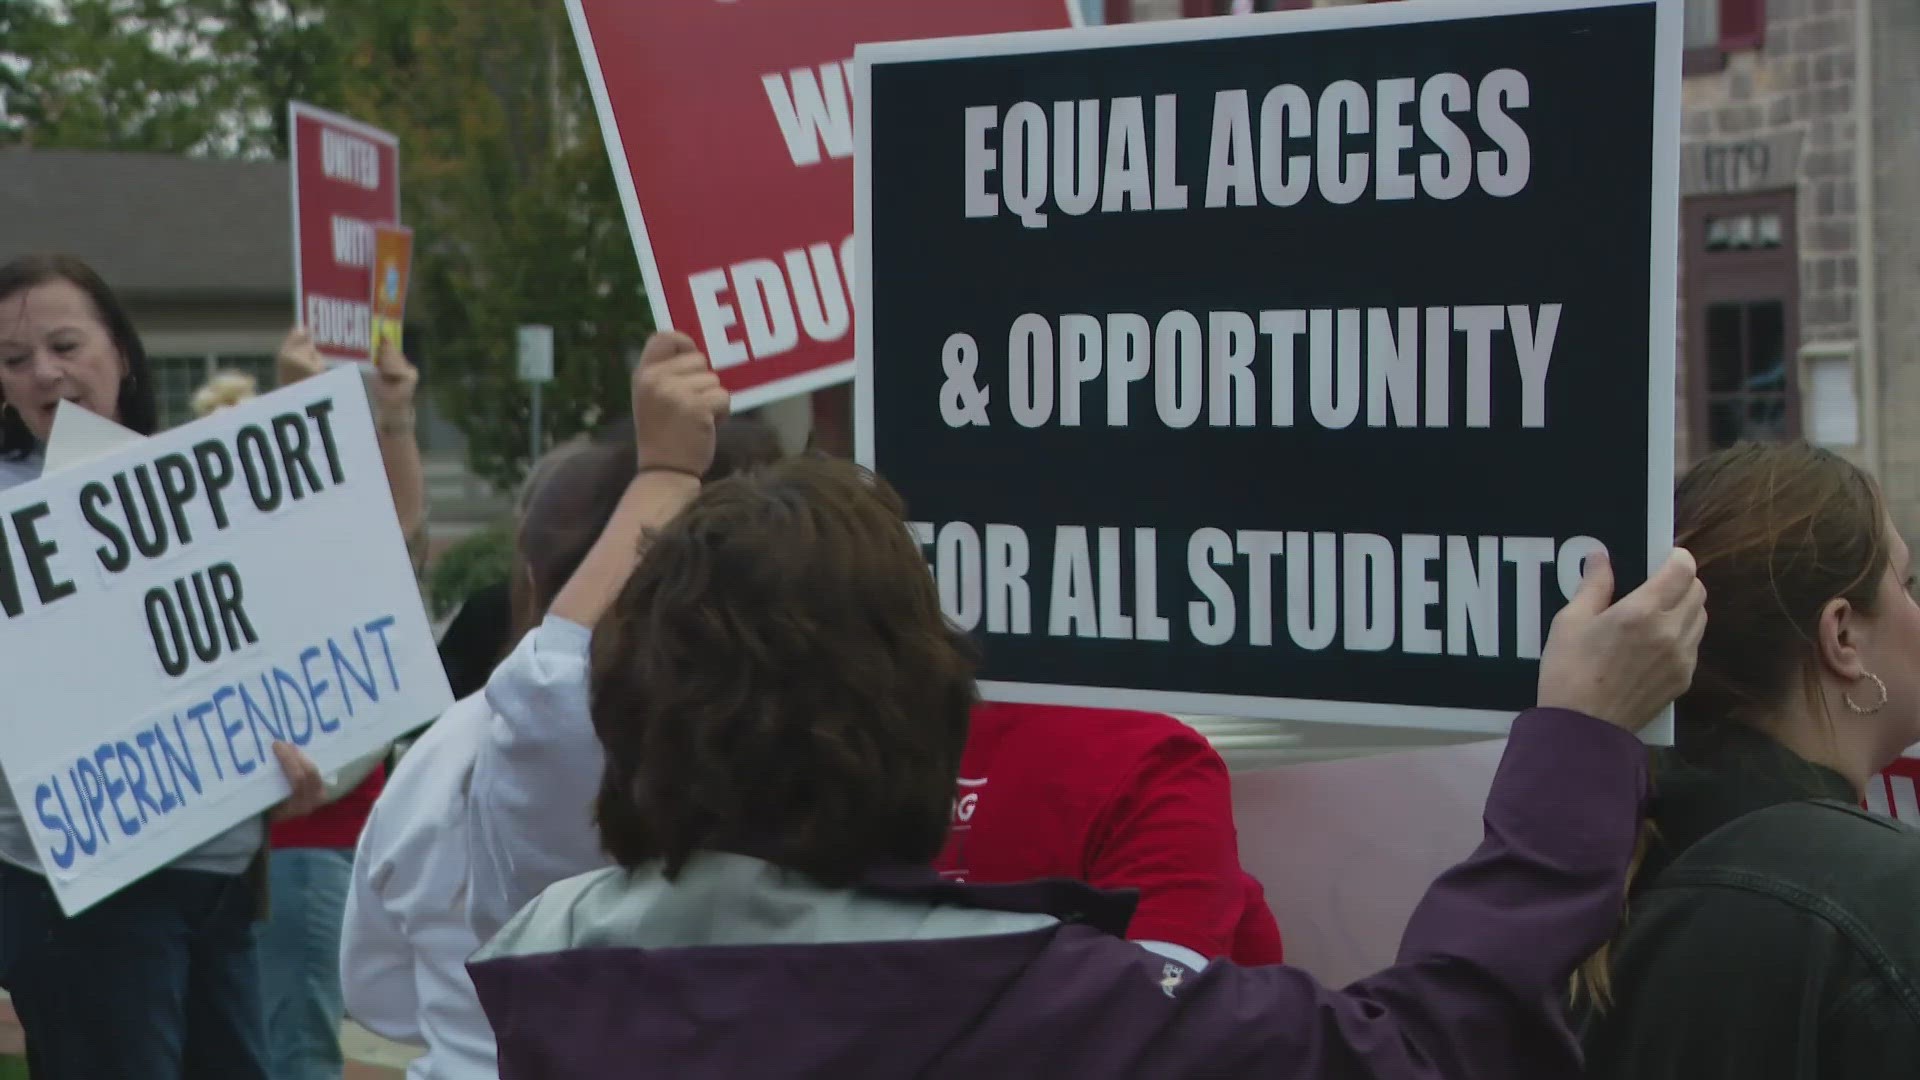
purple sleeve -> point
(1480, 987)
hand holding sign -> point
(309, 789)
(393, 384)
(298, 359)
(677, 404)
(1625, 662)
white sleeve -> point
(376, 959)
(530, 806)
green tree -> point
(504, 177)
(518, 220)
(121, 75)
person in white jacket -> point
(530, 812)
(404, 949)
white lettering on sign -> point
(352, 242)
(349, 159)
(1422, 594)
(1362, 367)
(815, 112)
(340, 324)
(808, 291)
(1274, 151)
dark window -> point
(1746, 372)
(1742, 332)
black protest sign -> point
(1283, 366)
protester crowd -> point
(719, 798)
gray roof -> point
(152, 222)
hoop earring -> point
(1876, 706)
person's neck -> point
(1818, 735)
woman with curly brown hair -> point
(783, 707)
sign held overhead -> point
(346, 183)
(1282, 366)
(731, 129)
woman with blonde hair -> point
(225, 390)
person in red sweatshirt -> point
(1120, 800)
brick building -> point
(1800, 225)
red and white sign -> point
(1896, 792)
(346, 180)
(730, 126)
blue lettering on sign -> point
(62, 856)
(93, 797)
(104, 759)
(343, 670)
(147, 740)
(230, 728)
(318, 690)
(198, 714)
(136, 774)
(129, 784)
(257, 717)
(282, 683)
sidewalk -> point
(369, 1057)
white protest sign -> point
(80, 436)
(173, 607)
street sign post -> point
(536, 369)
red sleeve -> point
(1168, 832)
(1256, 940)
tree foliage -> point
(504, 176)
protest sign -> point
(392, 269)
(183, 602)
(1281, 366)
(346, 181)
(730, 126)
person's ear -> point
(1839, 640)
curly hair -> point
(777, 679)
(225, 390)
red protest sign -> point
(730, 126)
(346, 180)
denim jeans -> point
(300, 961)
(159, 981)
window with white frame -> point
(177, 378)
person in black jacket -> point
(1774, 929)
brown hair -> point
(777, 679)
(138, 411)
(1777, 530)
(575, 489)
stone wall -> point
(1894, 68)
(1783, 117)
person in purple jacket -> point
(783, 708)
